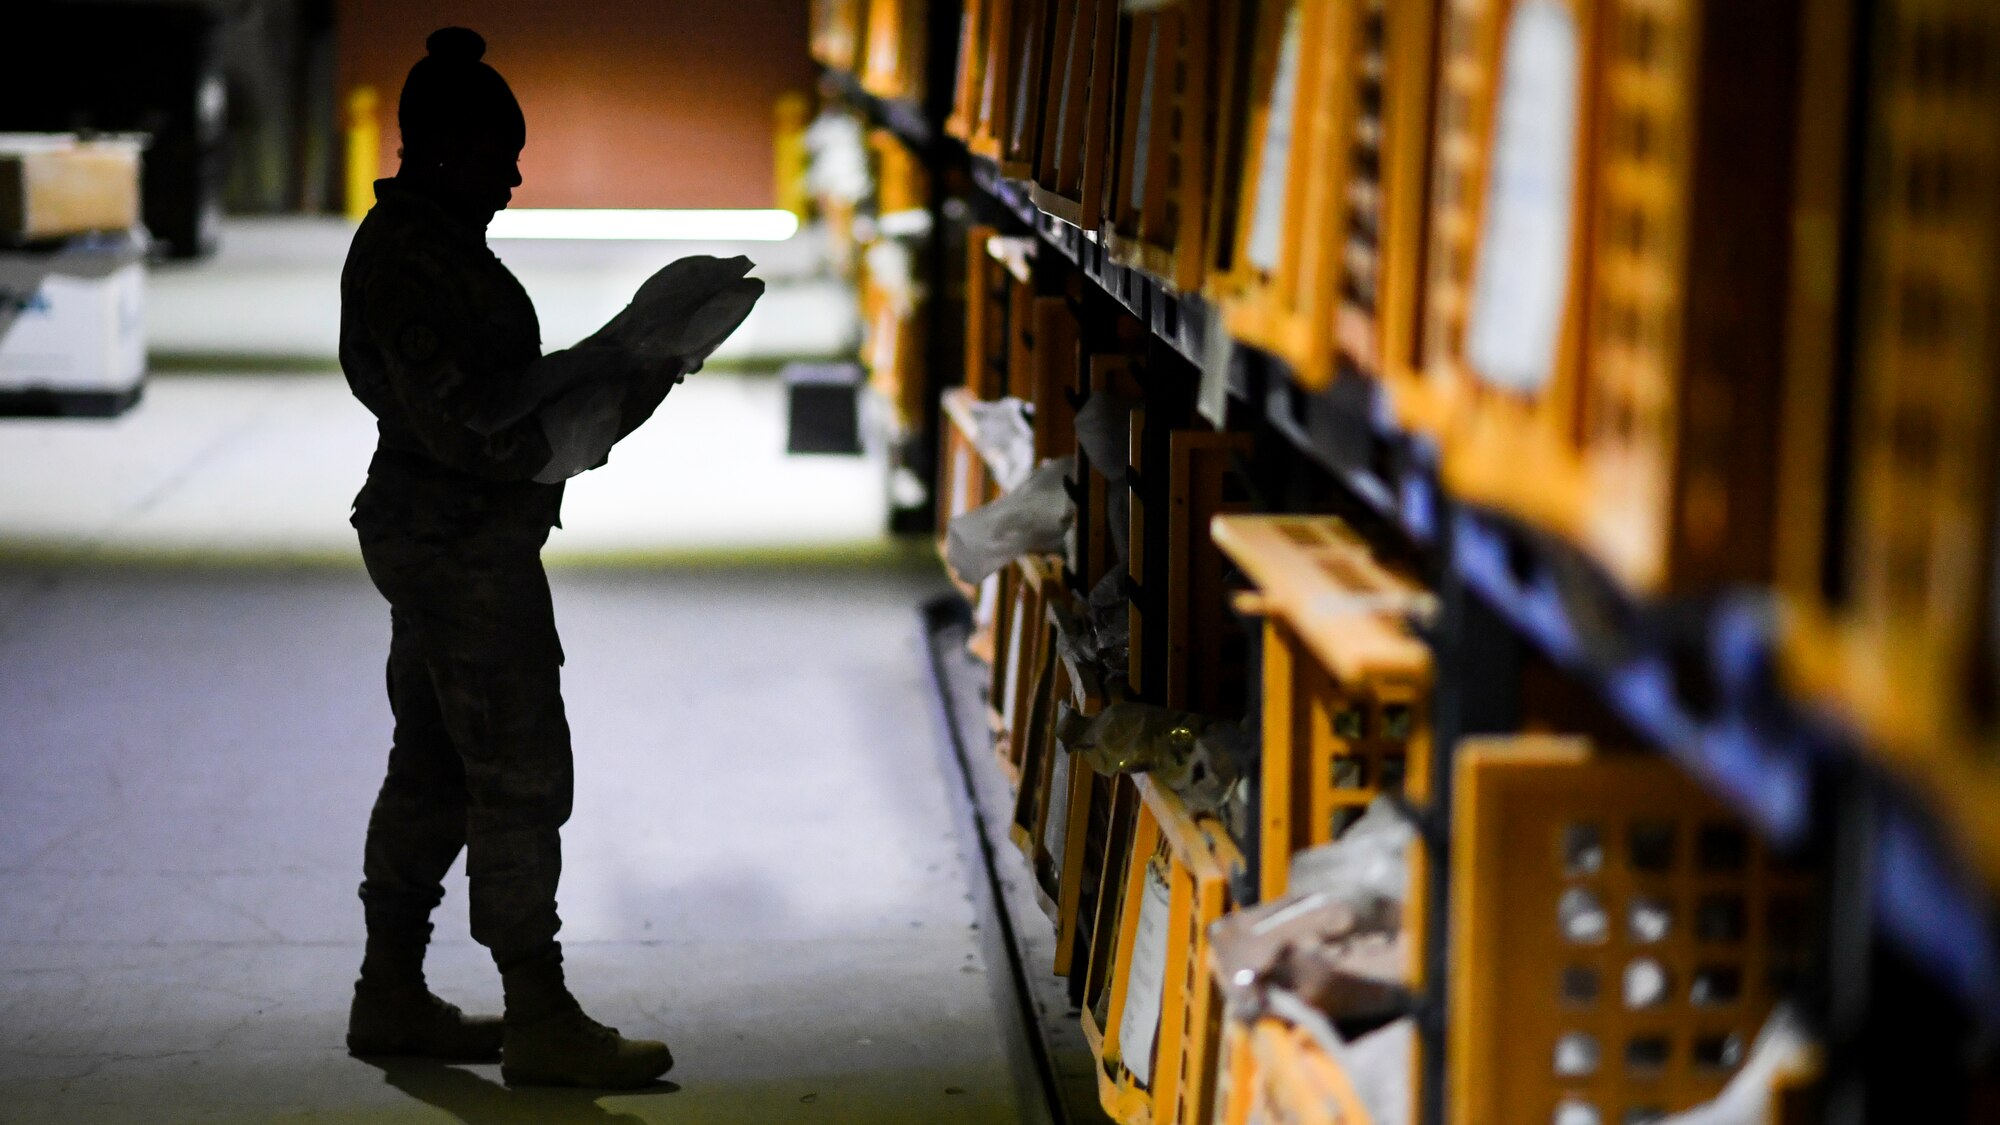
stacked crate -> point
(1159, 1031)
(893, 58)
(1156, 212)
(892, 292)
(838, 33)
(1618, 937)
(1892, 574)
(1346, 711)
(1611, 241)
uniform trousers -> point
(480, 759)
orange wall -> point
(630, 103)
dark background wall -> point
(630, 103)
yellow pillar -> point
(789, 146)
(364, 150)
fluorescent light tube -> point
(646, 225)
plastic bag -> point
(685, 310)
(1210, 778)
(592, 395)
(1111, 619)
(837, 158)
(1782, 1046)
(1100, 636)
(1005, 438)
(1369, 864)
(1131, 737)
(1104, 432)
(1030, 520)
(1378, 1067)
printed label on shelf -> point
(1139, 1027)
(1267, 218)
(1523, 270)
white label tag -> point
(1139, 1027)
(1523, 272)
(1267, 218)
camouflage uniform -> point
(435, 333)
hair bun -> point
(455, 44)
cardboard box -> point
(55, 185)
(77, 334)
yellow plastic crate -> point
(1201, 666)
(1894, 601)
(901, 181)
(985, 316)
(964, 480)
(1324, 234)
(1618, 937)
(1020, 123)
(1019, 654)
(838, 33)
(1301, 1083)
(1183, 865)
(1156, 210)
(1346, 682)
(1610, 253)
(988, 93)
(893, 63)
(1078, 102)
(973, 47)
(1315, 116)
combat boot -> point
(571, 1049)
(413, 1021)
(551, 1042)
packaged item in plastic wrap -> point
(1005, 439)
(837, 157)
(1782, 1047)
(1133, 737)
(1336, 941)
(1111, 620)
(1104, 432)
(1030, 520)
(1369, 863)
(589, 397)
(685, 310)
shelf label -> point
(1139, 1026)
(1523, 271)
(1274, 168)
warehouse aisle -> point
(762, 868)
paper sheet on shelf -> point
(1139, 1027)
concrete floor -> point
(762, 867)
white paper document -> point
(1139, 1027)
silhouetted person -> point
(441, 343)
